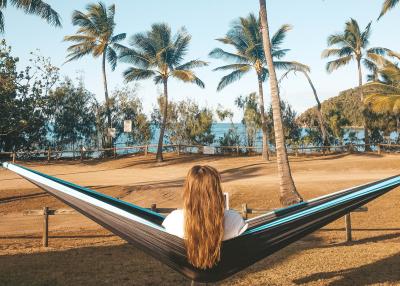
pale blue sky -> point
(312, 20)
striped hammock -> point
(265, 235)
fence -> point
(46, 212)
(51, 154)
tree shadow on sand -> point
(382, 271)
(109, 265)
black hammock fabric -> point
(266, 234)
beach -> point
(81, 252)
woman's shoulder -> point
(233, 214)
(173, 217)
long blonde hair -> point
(204, 216)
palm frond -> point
(118, 38)
(134, 57)
(80, 38)
(384, 103)
(38, 8)
(111, 57)
(179, 47)
(264, 74)
(285, 65)
(219, 53)
(1, 22)
(230, 78)
(336, 39)
(86, 25)
(232, 67)
(187, 76)
(78, 51)
(192, 64)
(280, 35)
(394, 54)
(335, 64)
(133, 74)
(278, 54)
(387, 5)
(365, 35)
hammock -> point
(265, 235)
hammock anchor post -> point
(347, 219)
(45, 238)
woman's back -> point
(234, 225)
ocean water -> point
(219, 129)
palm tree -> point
(388, 5)
(158, 55)
(288, 192)
(33, 7)
(95, 36)
(244, 36)
(305, 71)
(351, 45)
(388, 78)
(386, 103)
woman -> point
(203, 222)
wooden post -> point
(350, 148)
(154, 207)
(379, 149)
(146, 150)
(237, 150)
(45, 238)
(178, 151)
(296, 151)
(49, 154)
(244, 211)
(115, 152)
(347, 219)
(81, 153)
(13, 157)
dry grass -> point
(82, 253)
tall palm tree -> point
(158, 54)
(351, 45)
(388, 5)
(245, 37)
(388, 78)
(305, 71)
(288, 192)
(33, 7)
(95, 36)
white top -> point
(234, 225)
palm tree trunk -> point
(265, 148)
(366, 135)
(106, 96)
(288, 192)
(319, 112)
(159, 156)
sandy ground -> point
(82, 253)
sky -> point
(312, 20)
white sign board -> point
(128, 126)
(111, 132)
(208, 150)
